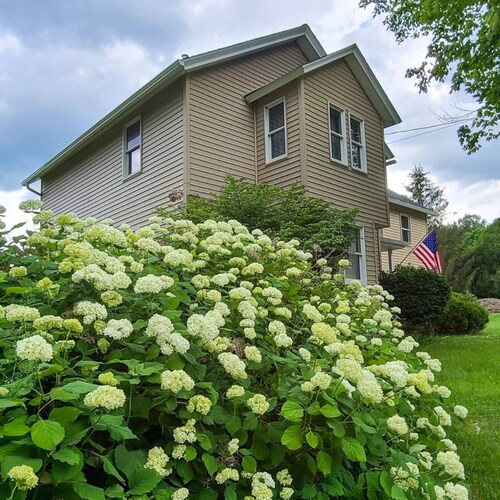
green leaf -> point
(190, 453)
(17, 427)
(397, 493)
(10, 402)
(88, 492)
(115, 491)
(13, 460)
(210, 463)
(353, 449)
(309, 491)
(324, 462)
(129, 461)
(338, 429)
(109, 467)
(292, 437)
(292, 411)
(16, 290)
(386, 481)
(205, 442)
(334, 488)
(58, 394)
(79, 387)
(330, 411)
(113, 424)
(230, 493)
(47, 434)
(65, 415)
(233, 424)
(312, 439)
(249, 464)
(208, 494)
(62, 472)
(143, 481)
(67, 455)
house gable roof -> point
(404, 201)
(361, 70)
(302, 35)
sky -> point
(64, 65)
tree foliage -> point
(427, 193)
(470, 250)
(465, 46)
(281, 213)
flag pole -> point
(416, 245)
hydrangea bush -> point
(203, 361)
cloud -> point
(10, 200)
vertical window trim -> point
(344, 160)
(267, 138)
(401, 215)
(364, 166)
(362, 267)
(125, 152)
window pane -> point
(406, 235)
(405, 222)
(354, 270)
(276, 116)
(335, 121)
(134, 135)
(355, 130)
(134, 161)
(336, 147)
(278, 146)
(356, 156)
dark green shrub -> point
(463, 314)
(420, 294)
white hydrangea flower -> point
(105, 396)
(34, 348)
(460, 411)
(258, 404)
(90, 311)
(176, 380)
(118, 329)
(451, 464)
(397, 424)
(157, 461)
(233, 446)
(233, 365)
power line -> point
(423, 133)
(428, 126)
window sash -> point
(357, 258)
(358, 148)
(337, 135)
(276, 140)
(405, 228)
(132, 147)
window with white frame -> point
(338, 149)
(358, 148)
(405, 228)
(275, 130)
(132, 148)
(357, 258)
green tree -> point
(427, 193)
(281, 213)
(464, 46)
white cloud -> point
(10, 200)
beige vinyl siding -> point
(283, 172)
(418, 226)
(221, 134)
(92, 184)
(343, 186)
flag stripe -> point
(425, 256)
(427, 252)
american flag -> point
(428, 253)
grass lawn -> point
(471, 369)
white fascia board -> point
(274, 85)
(162, 80)
(311, 47)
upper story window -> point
(358, 148)
(275, 130)
(357, 258)
(338, 149)
(132, 148)
(405, 228)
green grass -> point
(471, 369)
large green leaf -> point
(13, 460)
(312, 439)
(70, 456)
(324, 462)
(10, 402)
(47, 434)
(353, 449)
(88, 492)
(292, 411)
(210, 463)
(79, 387)
(113, 424)
(65, 415)
(143, 481)
(249, 464)
(17, 427)
(129, 461)
(292, 437)
(330, 411)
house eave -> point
(412, 207)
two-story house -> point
(276, 109)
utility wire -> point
(423, 133)
(429, 126)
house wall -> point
(221, 126)
(418, 226)
(287, 171)
(92, 183)
(341, 185)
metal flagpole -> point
(415, 246)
